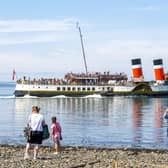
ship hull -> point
(20, 93)
(142, 89)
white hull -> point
(84, 90)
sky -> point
(39, 38)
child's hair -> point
(53, 119)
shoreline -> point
(76, 157)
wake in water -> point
(54, 97)
(7, 97)
(93, 96)
(89, 96)
(28, 96)
(60, 96)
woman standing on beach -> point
(36, 122)
(56, 134)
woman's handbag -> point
(27, 132)
(46, 133)
(166, 116)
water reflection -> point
(115, 121)
(158, 113)
(137, 120)
(158, 120)
(148, 122)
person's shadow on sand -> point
(49, 157)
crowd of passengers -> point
(97, 75)
(76, 78)
(42, 81)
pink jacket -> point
(56, 130)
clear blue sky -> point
(39, 37)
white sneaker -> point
(35, 158)
(26, 156)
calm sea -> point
(95, 121)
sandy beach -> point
(78, 157)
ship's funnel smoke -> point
(137, 70)
(158, 70)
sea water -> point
(94, 121)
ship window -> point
(69, 88)
(46, 87)
(73, 89)
(39, 87)
(88, 88)
(83, 89)
(63, 88)
(79, 88)
(93, 88)
(58, 88)
(109, 89)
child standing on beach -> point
(56, 134)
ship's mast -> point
(83, 51)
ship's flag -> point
(13, 74)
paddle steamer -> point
(104, 84)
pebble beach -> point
(78, 157)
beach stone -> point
(76, 157)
